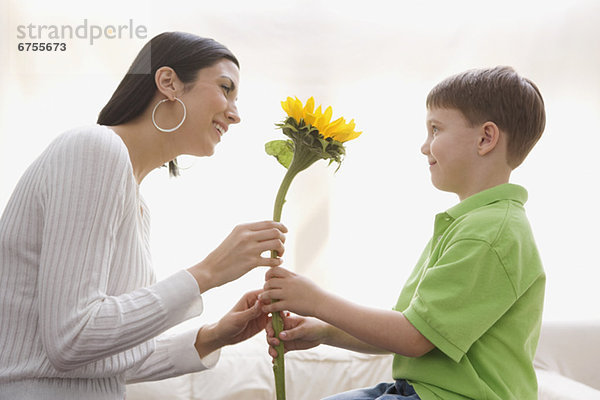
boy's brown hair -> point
(499, 95)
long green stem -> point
(277, 321)
(303, 158)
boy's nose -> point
(425, 148)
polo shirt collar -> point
(506, 191)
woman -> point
(80, 311)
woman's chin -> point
(204, 152)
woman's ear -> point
(490, 135)
(168, 83)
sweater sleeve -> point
(85, 331)
(174, 355)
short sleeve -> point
(460, 297)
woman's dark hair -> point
(184, 52)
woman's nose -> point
(233, 115)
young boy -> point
(467, 321)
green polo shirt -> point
(477, 294)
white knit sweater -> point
(80, 312)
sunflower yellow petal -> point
(353, 135)
(351, 125)
(349, 133)
(332, 128)
(296, 109)
(346, 132)
(318, 112)
(292, 107)
(323, 120)
(327, 115)
(287, 106)
(342, 136)
(309, 118)
(310, 105)
(312, 118)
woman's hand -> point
(299, 333)
(239, 253)
(294, 293)
(244, 320)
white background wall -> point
(360, 231)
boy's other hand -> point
(299, 333)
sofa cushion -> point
(553, 386)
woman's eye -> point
(226, 88)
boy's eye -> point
(434, 130)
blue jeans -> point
(384, 391)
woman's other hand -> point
(244, 320)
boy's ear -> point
(490, 135)
(167, 82)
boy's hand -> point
(294, 293)
(299, 333)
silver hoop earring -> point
(178, 125)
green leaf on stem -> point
(283, 150)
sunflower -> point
(338, 130)
(312, 137)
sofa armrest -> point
(571, 349)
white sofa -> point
(567, 365)
(568, 360)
